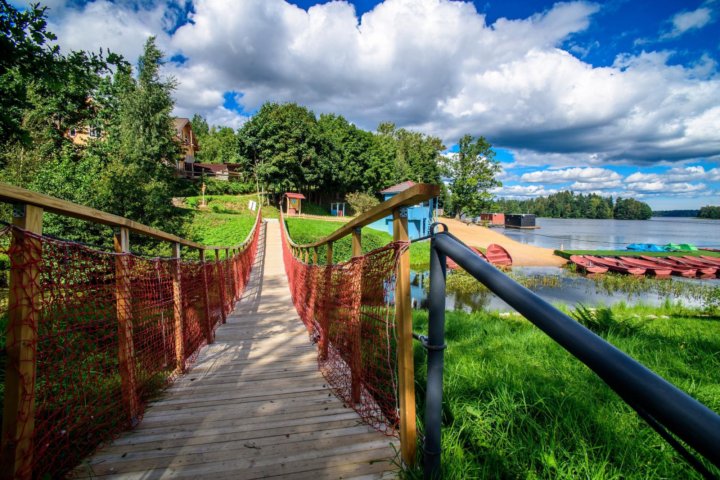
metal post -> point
(435, 359)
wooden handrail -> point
(412, 196)
(17, 195)
(403, 307)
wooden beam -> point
(403, 326)
(12, 194)
(178, 311)
(329, 254)
(16, 451)
(231, 265)
(17, 195)
(412, 196)
(315, 255)
(123, 305)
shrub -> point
(361, 202)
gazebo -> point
(294, 203)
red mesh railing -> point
(349, 311)
(106, 337)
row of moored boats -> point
(702, 266)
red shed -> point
(493, 218)
(294, 203)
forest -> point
(709, 211)
(568, 204)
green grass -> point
(632, 253)
(516, 405)
(226, 221)
(305, 230)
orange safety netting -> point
(109, 334)
(349, 311)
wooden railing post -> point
(315, 255)
(357, 242)
(123, 304)
(178, 310)
(229, 258)
(325, 314)
(206, 297)
(356, 360)
(221, 285)
(403, 326)
(17, 448)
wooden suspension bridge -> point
(254, 404)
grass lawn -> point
(516, 405)
(226, 221)
(304, 230)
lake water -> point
(585, 234)
(569, 289)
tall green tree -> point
(473, 173)
(284, 144)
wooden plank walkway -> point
(253, 406)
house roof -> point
(180, 123)
(400, 187)
(295, 195)
(213, 167)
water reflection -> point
(564, 287)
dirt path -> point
(522, 254)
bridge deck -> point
(253, 406)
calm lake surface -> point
(569, 289)
(585, 234)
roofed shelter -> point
(294, 203)
(419, 216)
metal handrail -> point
(653, 397)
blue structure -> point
(419, 216)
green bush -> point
(361, 202)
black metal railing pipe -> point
(435, 345)
(641, 388)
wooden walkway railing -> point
(64, 301)
(311, 285)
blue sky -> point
(618, 98)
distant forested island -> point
(710, 211)
(568, 204)
(675, 213)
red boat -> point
(705, 262)
(653, 268)
(713, 260)
(704, 268)
(616, 265)
(497, 255)
(701, 270)
(454, 266)
(586, 265)
(684, 270)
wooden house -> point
(186, 138)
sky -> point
(620, 97)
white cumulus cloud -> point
(433, 65)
